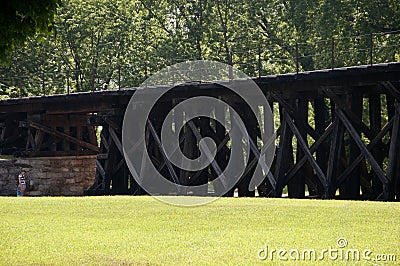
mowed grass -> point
(124, 230)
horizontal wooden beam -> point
(57, 153)
(102, 156)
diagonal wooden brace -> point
(364, 150)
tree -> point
(96, 44)
(22, 19)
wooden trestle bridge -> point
(329, 144)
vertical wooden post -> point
(296, 186)
(116, 169)
(320, 117)
(38, 139)
(251, 126)
(78, 136)
(394, 157)
(189, 150)
(284, 159)
(66, 146)
(353, 181)
(222, 155)
(53, 144)
(180, 128)
(236, 157)
(376, 124)
(334, 155)
(158, 150)
(266, 189)
(205, 131)
(28, 139)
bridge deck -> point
(301, 85)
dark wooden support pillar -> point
(92, 135)
(190, 151)
(118, 175)
(156, 151)
(79, 136)
(321, 116)
(148, 144)
(392, 172)
(52, 140)
(334, 155)
(266, 189)
(179, 129)
(296, 185)
(376, 125)
(353, 183)
(236, 156)
(223, 154)
(284, 159)
(66, 144)
(38, 139)
(252, 129)
(205, 131)
(103, 167)
(390, 105)
(112, 174)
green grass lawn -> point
(125, 230)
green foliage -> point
(22, 19)
(122, 230)
(105, 44)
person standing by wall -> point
(21, 185)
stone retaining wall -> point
(49, 176)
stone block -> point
(64, 169)
(69, 181)
(79, 179)
(76, 162)
(3, 170)
(34, 193)
(76, 189)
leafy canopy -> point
(22, 19)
